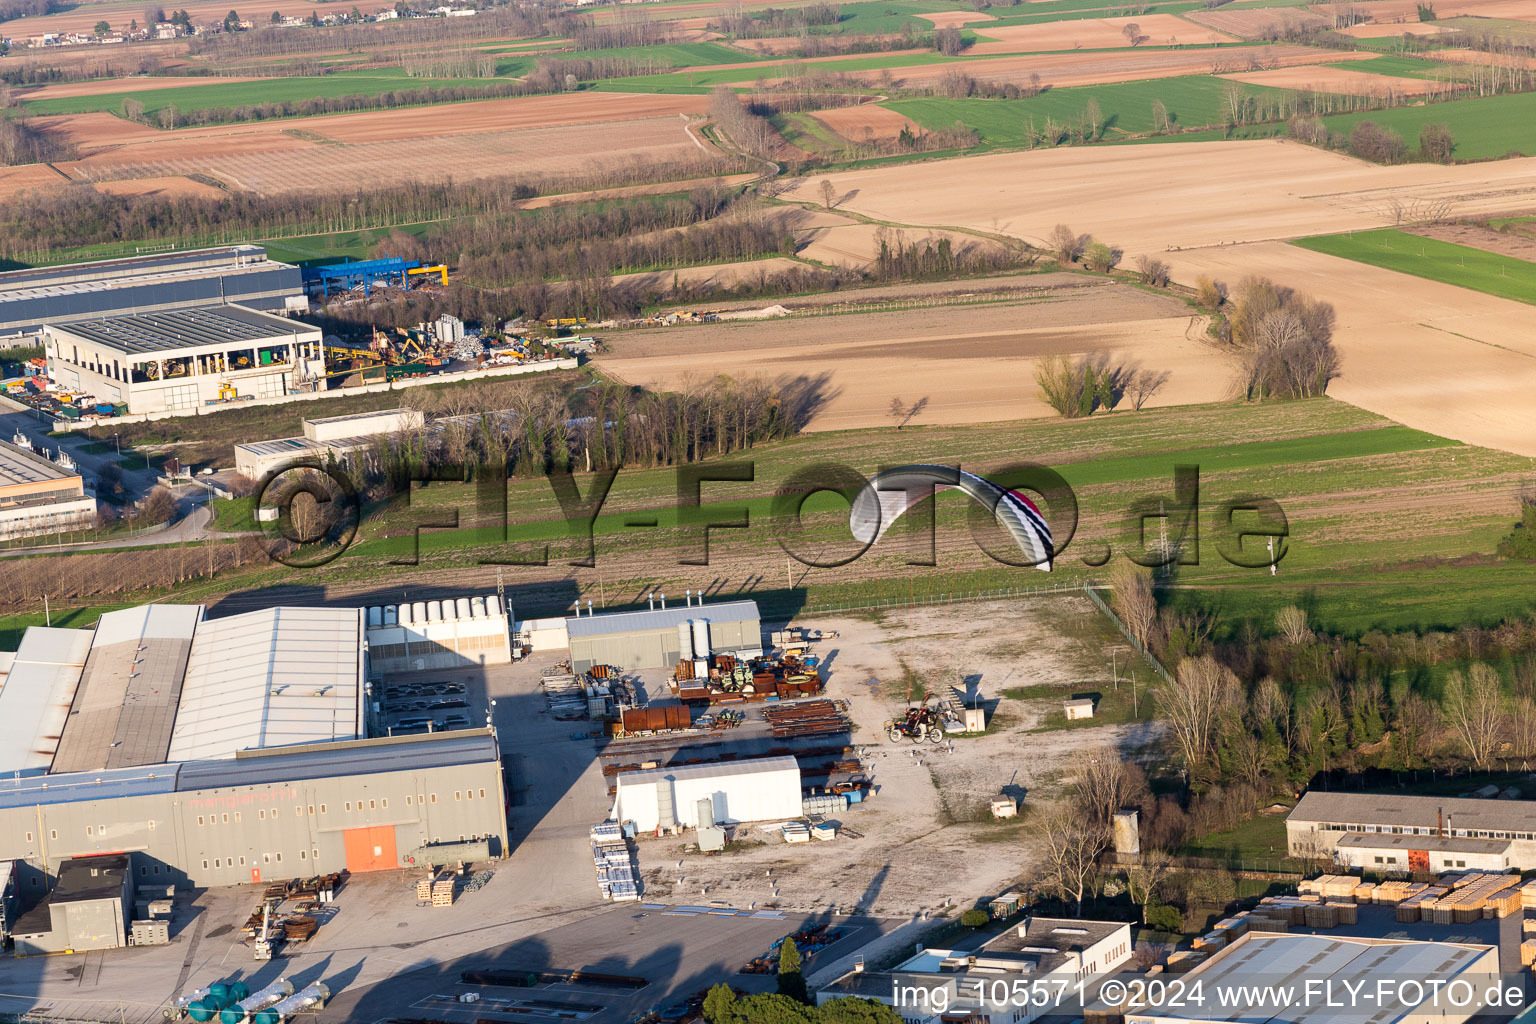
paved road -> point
(193, 520)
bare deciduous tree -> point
(828, 192)
(1106, 782)
(1144, 384)
(1202, 691)
(1474, 709)
(1066, 243)
(1291, 622)
(1133, 599)
(1144, 880)
(1070, 848)
(1153, 271)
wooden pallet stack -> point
(1411, 908)
(424, 890)
(442, 892)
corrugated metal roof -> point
(257, 768)
(77, 786)
(125, 706)
(361, 757)
(631, 622)
(39, 689)
(1391, 809)
(175, 329)
(270, 678)
(756, 766)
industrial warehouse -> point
(240, 274)
(223, 750)
(180, 360)
(40, 495)
(1414, 833)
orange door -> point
(370, 849)
(1418, 860)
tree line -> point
(21, 143)
(79, 215)
(27, 8)
(270, 41)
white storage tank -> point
(375, 616)
(450, 611)
(701, 638)
(685, 640)
(462, 607)
(391, 615)
(419, 613)
(477, 607)
(434, 611)
(493, 606)
(407, 615)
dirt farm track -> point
(1224, 209)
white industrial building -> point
(1347, 827)
(325, 436)
(942, 984)
(763, 789)
(181, 359)
(40, 495)
(1321, 971)
(36, 694)
(446, 634)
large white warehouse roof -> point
(271, 678)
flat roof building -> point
(1044, 954)
(145, 284)
(324, 436)
(1382, 824)
(181, 359)
(87, 909)
(1266, 978)
(654, 638)
(40, 496)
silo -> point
(407, 614)
(418, 613)
(462, 607)
(685, 640)
(375, 617)
(434, 611)
(391, 615)
(477, 607)
(450, 610)
(701, 638)
(492, 605)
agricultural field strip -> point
(1354, 450)
(1435, 260)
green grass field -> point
(1193, 100)
(1485, 128)
(1407, 67)
(1504, 276)
(241, 94)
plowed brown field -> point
(1251, 23)
(1222, 209)
(107, 86)
(540, 134)
(1407, 11)
(967, 365)
(1351, 83)
(1094, 33)
(1089, 68)
(866, 121)
(174, 186)
(1370, 30)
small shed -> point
(1078, 708)
(1004, 807)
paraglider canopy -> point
(890, 493)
